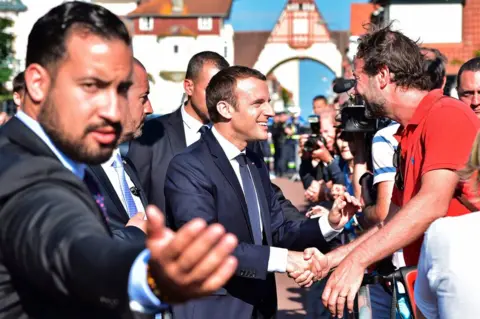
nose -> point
(114, 107)
(148, 109)
(268, 111)
(475, 100)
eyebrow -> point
(260, 101)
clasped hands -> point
(311, 265)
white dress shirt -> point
(116, 183)
(278, 256)
(190, 127)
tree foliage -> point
(6, 52)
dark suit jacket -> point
(162, 138)
(57, 256)
(118, 216)
(201, 182)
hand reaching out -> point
(344, 207)
(316, 212)
(314, 266)
(192, 263)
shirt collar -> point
(76, 168)
(192, 123)
(424, 106)
(228, 147)
(109, 162)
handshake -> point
(308, 266)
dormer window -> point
(145, 24)
(205, 24)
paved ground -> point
(292, 299)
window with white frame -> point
(145, 24)
(205, 24)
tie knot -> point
(203, 129)
(242, 159)
(117, 161)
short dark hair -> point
(320, 97)
(19, 82)
(382, 47)
(223, 85)
(196, 63)
(46, 42)
(471, 65)
(435, 67)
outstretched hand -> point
(344, 207)
(192, 263)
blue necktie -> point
(204, 129)
(127, 195)
(251, 198)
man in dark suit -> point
(57, 255)
(167, 135)
(124, 198)
(221, 181)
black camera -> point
(311, 144)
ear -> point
(225, 109)
(37, 82)
(17, 99)
(384, 76)
(188, 86)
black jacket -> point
(57, 256)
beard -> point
(374, 109)
(76, 149)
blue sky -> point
(256, 15)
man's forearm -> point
(400, 230)
(336, 256)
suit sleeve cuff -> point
(142, 299)
(327, 231)
(277, 262)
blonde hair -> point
(472, 169)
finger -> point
(308, 253)
(327, 291)
(185, 235)
(351, 300)
(200, 247)
(219, 277)
(308, 280)
(332, 302)
(302, 280)
(156, 222)
(341, 301)
(295, 274)
(211, 261)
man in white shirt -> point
(117, 177)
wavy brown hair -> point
(471, 173)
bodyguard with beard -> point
(58, 258)
(436, 133)
(117, 177)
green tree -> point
(6, 53)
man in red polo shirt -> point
(436, 135)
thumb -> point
(308, 253)
(156, 222)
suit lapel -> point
(132, 173)
(176, 133)
(262, 198)
(222, 162)
(102, 179)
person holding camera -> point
(319, 168)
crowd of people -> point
(108, 215)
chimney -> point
(177, 6)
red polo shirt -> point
(439, 136)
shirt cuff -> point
(142, 299)
(277, 261)
(327, 231)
